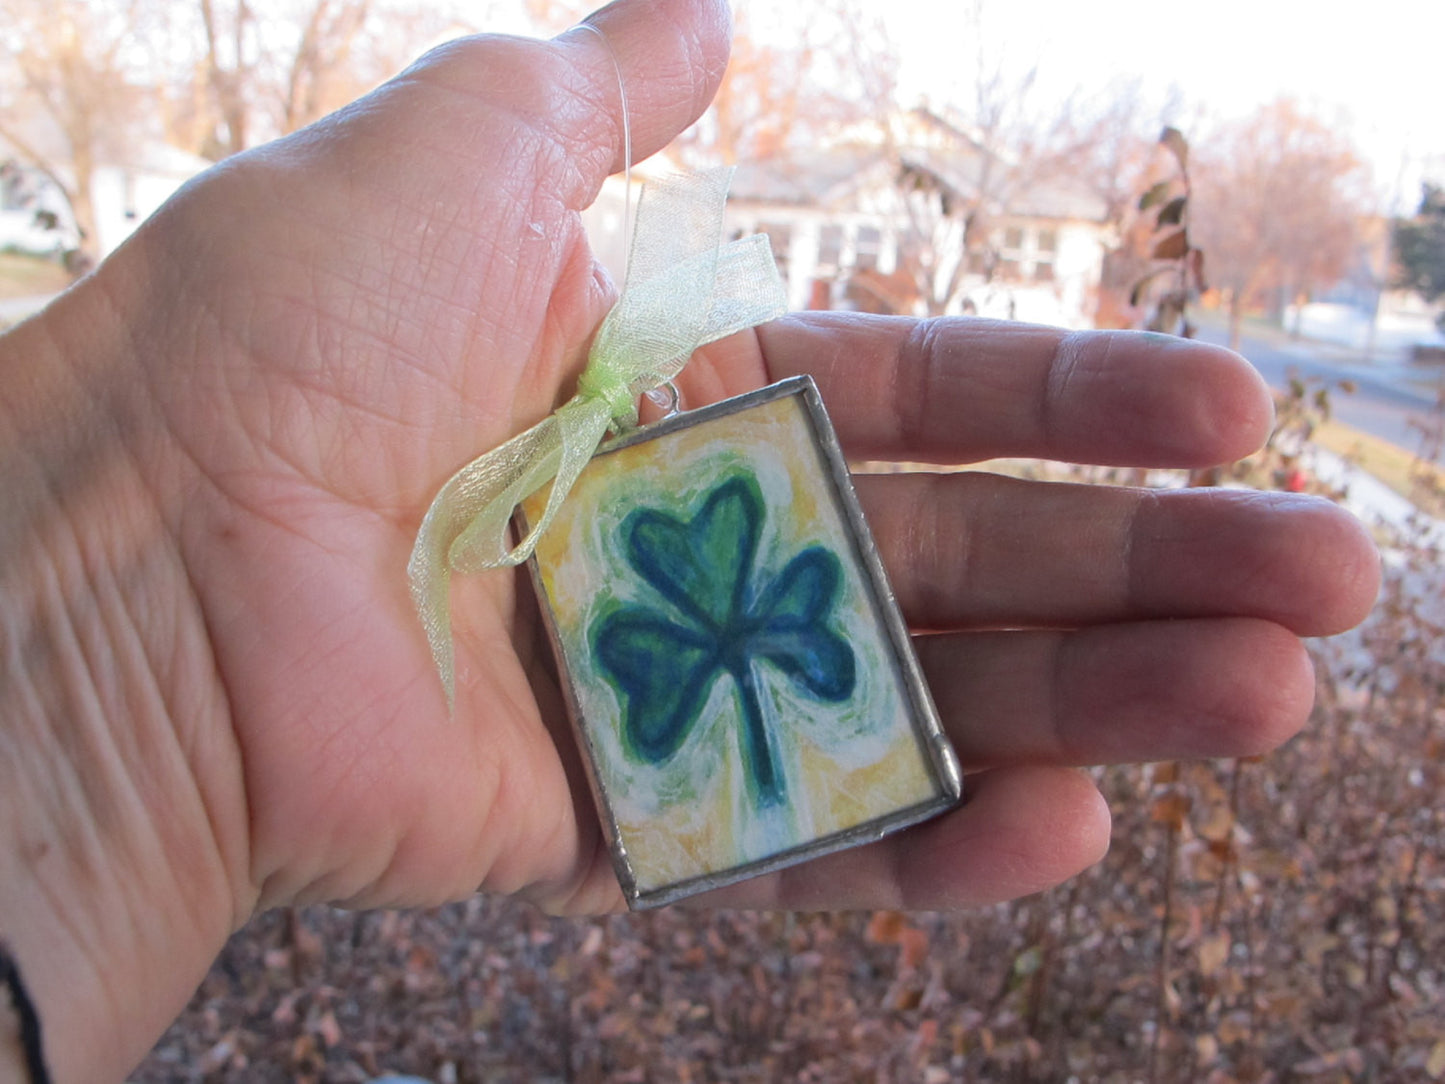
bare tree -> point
(1278, 197)
(838, 70)
(998, 150)
(321, 77)
(268, 67)
(758, 103)
(70, 94)
(227, 63)
(945, 201)
(959, 181)
(83, 83)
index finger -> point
(962, 389)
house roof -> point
(805, 180)
(826, 177)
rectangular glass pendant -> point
(741, 681)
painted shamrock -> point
(725, 618)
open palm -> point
(350, 314)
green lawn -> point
(1398, 468)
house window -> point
(1011, 255)
(830, 245)
(869, 244)
(778, 234)
(1046, 247)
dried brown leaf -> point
(914, 945)
(885, 927)
(1196, 269)
(1136, 295)
(1170, 809)
(1435, 1063)
(1217, 825)
(1156, 194)
(1172, 213)
(1173, 246)
(1213, 952)
(1174, 139)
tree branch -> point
(27, 151)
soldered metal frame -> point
(937, 753)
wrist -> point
(115, 889)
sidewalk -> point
(1376, 503)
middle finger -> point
(974, 550)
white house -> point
(125, 196)
(867, 226)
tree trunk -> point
(226, 84)
(82, 207)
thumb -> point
(519, 110)
(528, 101)
(669, 57)
(559, 103)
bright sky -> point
(1379, 67)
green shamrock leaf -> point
(724, 617)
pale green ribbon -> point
(684, 288)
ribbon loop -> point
(684, 289)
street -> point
(1387, 395)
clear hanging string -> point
(666, 397)
(626, 150)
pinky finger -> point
(1021, 830)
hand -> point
(226, 701)
(1059, 624)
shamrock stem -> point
(757, 751)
